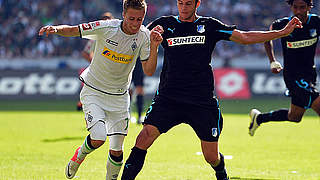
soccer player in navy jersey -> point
(185, 93)
(299, 70)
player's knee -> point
(98, 133)
(212, 159)
(116, 153)
(294, 118)
(116, 144)
(149, 132)
(147, 136)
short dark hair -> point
(106, 16)
(134, 4)
(309, 2)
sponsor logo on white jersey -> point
(117, 57)
(186, 40)
(301, 44)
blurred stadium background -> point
(41, 73)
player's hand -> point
(275, 67)
(294, 23)
(48, 30)
(155, 35)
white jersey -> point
(115, 55)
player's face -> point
(300, 9)
(132, 20)
(187, 10)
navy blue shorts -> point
(302, 92)
(165, 114)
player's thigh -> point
(316, 105)
(206, 122)
(295, 113)
(117, 122)
(92, 107)
(303, 93)
(95, 121)
(163, 114)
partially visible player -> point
(105, 96)
(186, 89)
(87, 52)
(299, 70)
(137, 91)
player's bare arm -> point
(62, 30)
(149, 66)
(252, 37)
(274, 64)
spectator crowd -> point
(20, 21)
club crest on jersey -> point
(214, 132)
(313, 32)
(89, 117)
(134, 46)
(200, 28)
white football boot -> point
(254, 113)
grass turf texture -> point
(38, 145)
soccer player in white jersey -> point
(87, 52)
(104, 96)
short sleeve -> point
(93, 29)
(223, 31)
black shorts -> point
(138, 75)
(206, 122)
(302, 92)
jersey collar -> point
(177, 18)
(309, 17)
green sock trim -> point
(86, 145)
(114, 163)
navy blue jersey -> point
(299, 48)
(187, 74)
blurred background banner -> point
(231, 83)
(39, 84)
(37, 67)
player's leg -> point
(294, 114)
(208, 124)
(137, 79)
(316, 105)
(301, 99)
(94, 140)
(117, 125)
(115, 157)
(140, 102)
(159, 119)
(214, 158)
(135, 162)
(95, 121)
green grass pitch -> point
(36, 145)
